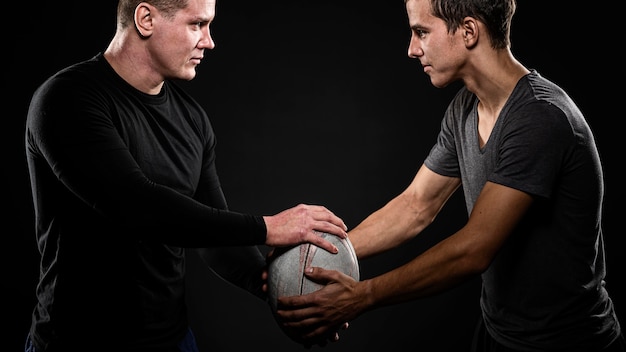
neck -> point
(130, 59)
(494, 79)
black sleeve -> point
(240, 265)
(70, 130)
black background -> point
(316, 102)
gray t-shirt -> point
(545, 288)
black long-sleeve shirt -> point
(122, 182)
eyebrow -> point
(416, 27)
(201, 19)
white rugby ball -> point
(286, 270)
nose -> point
(207, 41)
(415, 50)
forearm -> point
(443, 266)
(466, 253)
(395, 223)
(241, 266)
(405, 216)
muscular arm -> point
(79, 156)
(116, 165)
(405, 216)
(466, 253)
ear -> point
(469, 31)
(144, 20)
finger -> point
(330, 228)
(311, 330)
(304, 325)
(318, 241)
(323, 214)
(303, 321)
(320, 333)
(321, 275)
(293, 308)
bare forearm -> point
(405, 216)
(395, 223)
(445, 265)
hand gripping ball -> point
(286, 270)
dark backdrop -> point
(316, 102)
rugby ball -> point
(286, 269)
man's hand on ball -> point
(316, 317)
(301, 224)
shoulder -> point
(74, 78)
(534, 89)
(66, 97)
(541, 112)
(541, 100)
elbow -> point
(481, 264)
(477, 260)
(474, 259)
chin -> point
(439, 83)
(188, 76)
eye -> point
(418, 32)
(200, 24)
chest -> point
(485, 123)
(165, 142)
